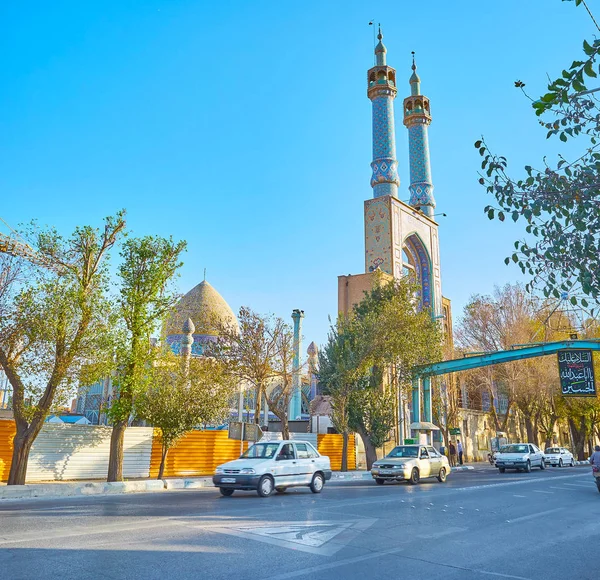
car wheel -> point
(317, 483)
(265, 486)
(528, 467)
(572, 462)
(226, 492)
(414, 476)
(502, 469)
(442, 475)
(280, 489)
(542, 464)
(560, 463)
(379, 481)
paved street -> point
(481, 524)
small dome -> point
(380, 47)
(205, 307)
(312, 349)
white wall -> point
(65, 452)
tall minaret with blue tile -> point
(417, 118)
(382, 92)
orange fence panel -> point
(197, 453)
(331, 444)
(7, 432)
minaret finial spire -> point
(417, 117)
(382, 92)
(379, 35)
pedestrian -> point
(452, 452)
(460, 451)
(595, 458)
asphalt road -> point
(479, 525)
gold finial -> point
(379, 35)
(414, 66)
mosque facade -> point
(400, 238)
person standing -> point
(460, 451)
(452, 454)
(595, 458)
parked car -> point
(559, 456)
(274, 465)
(520, 456)
(411, 463)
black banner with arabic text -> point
(576, 370)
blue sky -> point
(244, 128)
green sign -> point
(454, 430)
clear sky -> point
(244, 128)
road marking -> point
(576, 484)
(515, 495)
(541, 491)
(312, 537)
(532, 516)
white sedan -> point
(274, 466)
(520, 456)
(559, 456)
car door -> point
(306, 465)
(435, 461)
(536, 456)
(285, 469)
(424, 463)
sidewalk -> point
(53, 490)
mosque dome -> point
(205, 307)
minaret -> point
(313, 368)
(295, 410)
(382, 91)
(417, 117)
(187, 341)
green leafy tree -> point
(558, 202)
(148, 266)
(390, 338)
(341, 373)
(180, 397)
(54, 325)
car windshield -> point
(552, 450)
(403, 452)
(514, 449)
(261, 451)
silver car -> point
(559, 456)
(411, 463)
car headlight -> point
(219, 469)
(400, 466)
(247, 470)
(525, 457)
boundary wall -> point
(80, 452)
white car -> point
(559, 456)
(274, 465)
(411, 463)
(520, 456)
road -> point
(479, 525)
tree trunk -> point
(285, 428)
(578, 436)
(115, 460)
(370, 451)
(345, 451)
(20, 457)
(531, 437)
(163, 460)
(258, 405)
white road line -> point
(541, 491)
(515, 495)
(532, 516)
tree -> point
(54, 324)
(249, 351)
(148, 266)
(559, 202)
(281, 390)
(180, 396)
(493, 323)
(389, 338)
(341, 373)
